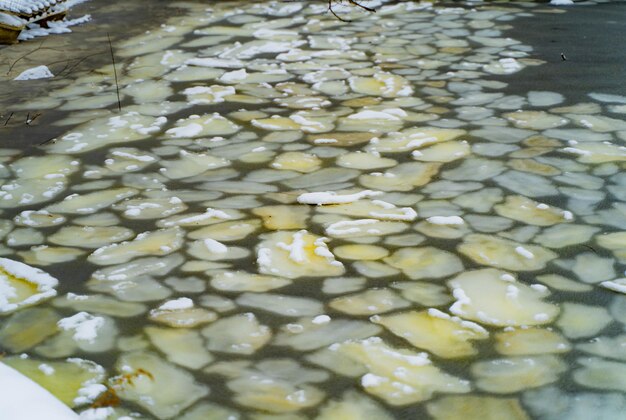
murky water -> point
(295, 217)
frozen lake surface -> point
(263, 212)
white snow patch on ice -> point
(84, 324)
(39, 72)
(177, 304)
(331, 197)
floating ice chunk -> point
(158, 242)
(203, 95)
(215, 62)
(199, 126)
(381, 84)
(297, 161)
(544, 98)
(363, 227)
(528, 341)
(215, 247)
(28, 328)
(414, 138)
(425, 262)
(607, 97)
(181, 313)
(227, 231)
(39, 72)
(369, 302)
(239, 281)
(332, 197)
(475, 407)
(403, 177)
(63, 385)
(306, 335)
(399, 376)
(579, 321)
(503, 253)
(597, 152)
(601, 374)
(298, 254)
(91, 202)
(274, 385)
(360, 252)
(598, 123)
(532, 212)
(502, 305)
(513, 374)
(503, 66)
(176, 304)
(104, 131)
(183, 347)
(535, 120)
(238, 334)
(617, 285)
(551, 402)
(158, 386)
(445, 220)
(386, 114)
(353, 405)
(377, 209)
(281, 304)
(434, 331)
(287, 217)
(22, 285)
(100, 304)
(210, 216)
(151, 208)
(234, 76)
(149, 91)
(153, 266)
(90, 237)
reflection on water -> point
(293, 217)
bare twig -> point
(117, 86)
(51, 139)
(8, 119)
(24, 56)
(351, 2)
(79, 62)
(330, 8)
(357, 4)
(29, 120)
